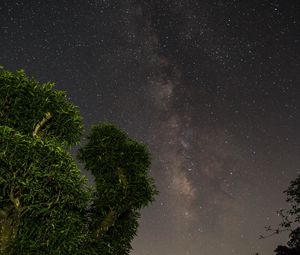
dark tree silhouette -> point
(290, 221)
(46, 205)
(284, 250)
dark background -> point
(212, 87)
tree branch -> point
(112, 215)
(42, 123)
(274, 232)
(107, 223)
(122, 178)
(9, 222)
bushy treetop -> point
(46, 205)
(24, 102)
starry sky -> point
(211, 86)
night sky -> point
(212, 87)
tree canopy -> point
(46, 205)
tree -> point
(46, 205)
(290, 221)
(284, 250)
(119, 165)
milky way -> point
(212, 87)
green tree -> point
(46, 205)
(119, 165)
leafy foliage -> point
(119, 165)
(46, 206)
(24, 102)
